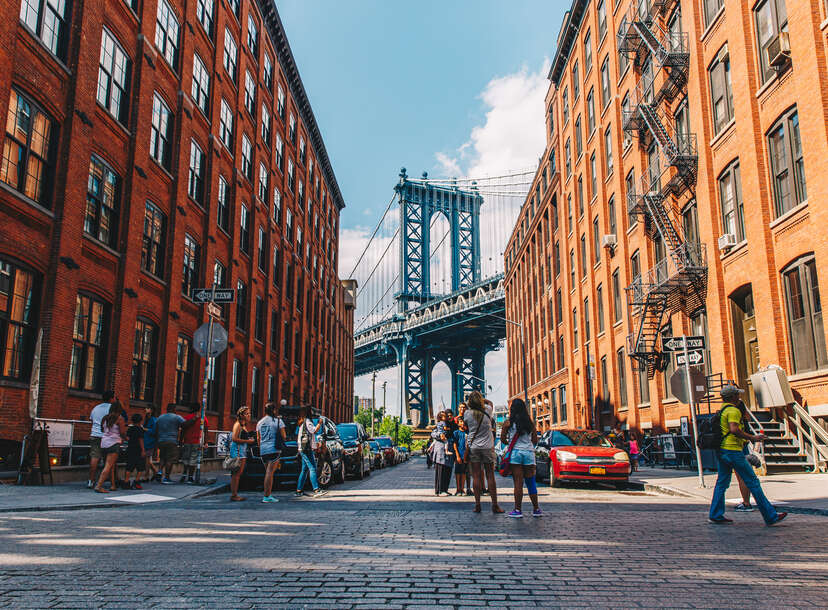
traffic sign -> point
(677, 344)
(213, 310)
(694, 357)
(201, 337)
(223, 295)
(698, 385)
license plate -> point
(597, 470)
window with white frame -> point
(263, 183)
(195, 182)
(161, 132)
(247, 158)
(730, 196)
(721, 91)
(252, 36)
(201, 84)
(223, 204)
(280, 151)
(113, 77)
(267, 72)
(608, 149)
(231, 54)
(48, 20)
(249, 93)
(226, 125)
(167, 32)
(771, 21)
(787, 163)
(277, 205)
(204, 14)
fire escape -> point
(678, 281)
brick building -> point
(678, 194)
(152, 147)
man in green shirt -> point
(731, 457)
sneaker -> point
(135, 485)
(741, 507)
(516, 514)
(318, 493)
(779, 517)
(298, 494)
(720, 521)
(537, 513)
(89, 484)
(157, 477)
(167, 481)
(268, 499)
(190, 481)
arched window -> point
(804, 314)
(19, 297)
(89, 336)
(787, 163)
(144, 358)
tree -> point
(388, 427)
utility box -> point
(771, 387)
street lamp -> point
(522, 351)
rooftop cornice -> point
(566, 38)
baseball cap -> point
(731, 391)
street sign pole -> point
(205, 390)
(693, 414)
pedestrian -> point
(191, 442)
(451, 456)
(480, 447)
(438, 452)
(520, 429)
(306, 446)
(136, 452)
(460, 464)
(731, 457)
(427, 451)
(113, 427)
(634, 451)
(271, 436)
(167, 429)
(461, 411)
(99, 411)
(150, 417)
(240, 442)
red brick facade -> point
(762, 302)
(303, 336)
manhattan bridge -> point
(430, 283)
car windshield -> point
(347, 432)
(385, 442)
(560, 439)
(374, 445)
(588, 438)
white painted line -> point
(141, 498)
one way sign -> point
(205, 295)
(676, 344)
(695, 357)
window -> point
(599, 302)
(166, 33)
(88, 343)
(730, 196)
(102, 195)
(629, 183)
(580, 196)
(152, 248)
(291, 175)
(236, 382)
(557, 259)
(666, 333)
(711, 9)
(611, 215)
(231, 54)
(288, 225)
(575, 342)
(576, 82)
(142, 386)
(559, 306)
(277, 206)
(195, 182)
(579, 142)
(771, 20)
(280, 149)
(259, 320)
(252, 36)
(277, 268)
(565, 105)
(620, 362)
(280, 102)
(303, 151)
(605, 83)
(292, 129)
(720, 90)
(263, 183)
(247, 158)
(27, 154)
(274, 337)
(113, 78)
(572, 269)
(587, 327)
(787, 163)
(223, 207)
(583, 256)
(623, 60)
(596, 240)
(593, 177)
(562, 395)
(189, 278)
(249, 93)
(265, 126)
(625, 113)
(591, 111)
(48, 20)
(587, 52)
(161, 132)
(804, 312)
(643, 387)
(608, 149)
(204, 14)
(201, 84)
(226, 126)
(267, 72)
(602, 20)
(241, 306)
(568, 159)
(569, 211)
(616, 297)
(262, 251)
(184, 370)
(244, 234)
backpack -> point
(710, 431)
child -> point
(136, 455)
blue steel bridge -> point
(431, 283)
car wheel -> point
(325, 474)
(361, 472)
(340, 477)
(553, 481)
(620, 485)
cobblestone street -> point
(388, 542)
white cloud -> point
(351, 244)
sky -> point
(449, 87)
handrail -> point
(813, 428)
(757, 430)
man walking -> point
(99, 411)
(732, 458)
(166, 431)
(190, 441)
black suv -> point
(329, 464)
(356, 450)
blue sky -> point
(445, 86)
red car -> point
(580, 455)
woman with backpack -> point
(306, 452)
(480, 453)
(523, 436)
(271, 435)
(113, 426)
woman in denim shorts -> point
(522, 457)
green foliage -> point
(418, 445)
(388, 427)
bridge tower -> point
(419, 201)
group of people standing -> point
(466, 442)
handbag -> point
(505, 464)
(232, 463)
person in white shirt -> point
(99, 411)
(270, 431)
(480, 451)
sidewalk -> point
(75, 496)
(794, 492)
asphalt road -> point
(387, 542)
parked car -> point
(580, 455)
(329, 463)
(377, 455)
(356, 452)
(403, 453)
(389, 455)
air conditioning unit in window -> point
(727, 241)
(609, 241)
(779, 51)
